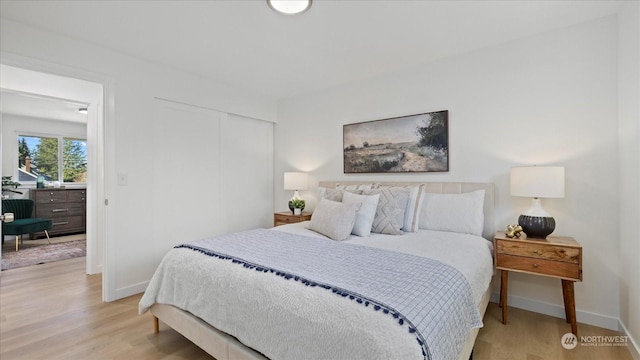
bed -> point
(238, 307)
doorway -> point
(47, 85)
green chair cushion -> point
(26, 226)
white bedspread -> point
(470, 254)
(278, 309)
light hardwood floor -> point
(54, 311)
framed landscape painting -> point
(414, 143)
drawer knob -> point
(51, 200)
(535, 266)
(536, 252)
(51, 193)
(82, 199)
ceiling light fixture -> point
(289, 7)
(83, 110)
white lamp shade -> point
(290, 7)
(538, 181)
(296, 181)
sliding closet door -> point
(247, 177)
(186, 173)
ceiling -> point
(41, 107)
(247, 45)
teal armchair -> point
(23, 223)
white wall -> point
(546, 99)
(249, 204)
(210, 175)
(629, 167)
(131, 87)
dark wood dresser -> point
(65, 207)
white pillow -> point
(333, 219)
(366, 214)
(460, 213)
(390, 211)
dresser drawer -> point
(540, 266)
(76, 195)
(53, 196)
(59, 210)
(67, 223)
(539, 251)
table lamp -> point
(537, 182)
(295, 181)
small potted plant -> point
(9, 185)
(297, 205)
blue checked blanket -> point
(432, 300)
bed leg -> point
(156, 325)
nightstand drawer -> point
(541, 251)
(540, 266)
(286, 219)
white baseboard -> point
(584, 317)
(634, 349)
(554, 310)
(131, 290)
(97, 270)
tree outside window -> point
(74, 160)
(53, 158)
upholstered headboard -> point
(442, 188)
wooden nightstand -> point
(555, 256)
(286, 217)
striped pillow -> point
(334, 194)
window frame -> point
(60, 139)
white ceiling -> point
(41, 107)
(246, 44)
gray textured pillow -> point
(333, 219)
(412, 212)
(392, 205)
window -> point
(53, 158)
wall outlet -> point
(123, 179)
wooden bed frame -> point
(223, 346)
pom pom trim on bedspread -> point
(377, 306)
